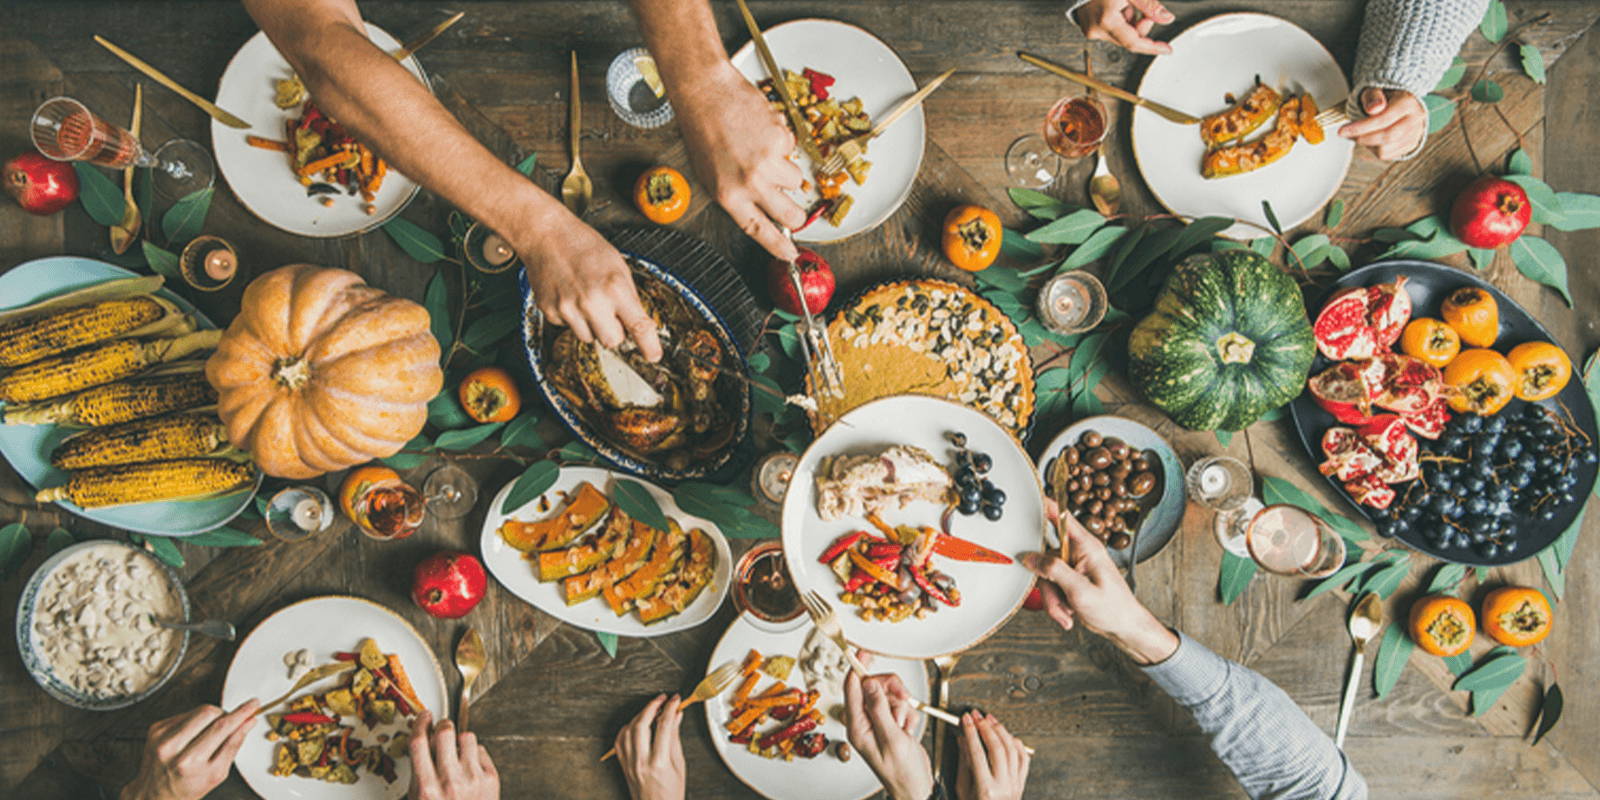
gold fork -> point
(324, 671)
(710, 686)
(852, 149)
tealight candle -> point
(307, 514)
(220, 264)
(773, 474)
(497, 251)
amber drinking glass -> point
(66, 130)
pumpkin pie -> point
(929, 337)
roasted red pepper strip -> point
(883, 550)
(858, 579)
(788, 732)
(963, 550)
(344, 656)
(816, 213)
(877, 572)
(307, 718)
(820, 81)
(840, 545)
(930, 587)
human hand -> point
(188, 755)
(1091, 588)
(1396, 121)
(451, 766)
(740, 147)
(994, 764)
(879, 717)
(1125, 22)
(581, 281)
(651, 753)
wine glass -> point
(65, 129)
(449, 492)
(1225, 485)
(1288, 540)
(1030, 163)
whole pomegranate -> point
(816, 279)
(40, 185)
(1491, 212)
(448, 584)
(1035, 599)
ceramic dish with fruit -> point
(1120, 479)
(1447, 414)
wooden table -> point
(552, 698)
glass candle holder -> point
(632, 87)
(208, 263)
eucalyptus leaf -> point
(1334, 215)
(1541, 262)
(1051, 389)
(98, 194)
(187, 217)
(533, 482)
(1224, 438)
(1309, 247)
(1493, 24)
(1553, 574)
(1549, 707)
(1393, 235)
(1338, 257)
(58, 540)
(1579, 211)
(15, 545)
(1532, 61)
(490, 328)
(421, 245)
(525, 166)
(445, 411)
(1568, 540)
(1073, 228)
(163, 548)
(1439, 245)
(1339, 579)
(1199, 231)
(789, 339)
(639, 503)
(1015, 246)
(1482, 257)
(1234, 576)
(1006, 280)
(522, 432)
(162, 261)
(1093, 247)
(437, 301)
(465, 439)
(1039, 270)
(1394, 651)
(1494, 670)
(1277, 490)
(1484, 699)
(1086, 404)
(1037, 203)
(1143, 255)
(700, 499)
(1459, 663)
(1264, 246)
(1124, 247)
(577, 451)
(771, 400)
(1440, 111)
(1488, 91)
(1446, 578)
(262, 505)
(404, 460)
(608, 642)
(1546, 207)
(223, 537)
(1519, 163)
(1272, 217)
(1452, 75)
(1386, 581)
(759, 362)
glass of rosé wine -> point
(66, 130)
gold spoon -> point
(124, 232)
(1366, 619)
(1105, 191)
(945, 664)
(576, 188)
(470, 659)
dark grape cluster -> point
(1484, 474)
(975, 493)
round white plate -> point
(262, 179)
(520, 575)
(824, 777)
(863, 67)
(990, 593)
(324, 625)
(1222, 55)
(1163, 511)
(28, 447)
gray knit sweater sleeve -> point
(1408, 45)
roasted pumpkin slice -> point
(628, 560)
(668, 552)
(580, 558)
(584, 508)
(693, 575)
(1247, 114)
(1310, 130)
(1237, 159)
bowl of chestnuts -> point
(1120, 480)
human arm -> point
(739, 146)
(188, 755)
(1123, 22)
(446, 765)
(878, 718)
(578, 278)
(651, 752)
(1405, 47)
(1269, 744)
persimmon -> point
(971, 237)
(1517, 615)
(1442, 624)
(1483, 380)
(1542, 370)
(1430, 340)
(1474, 314)
(662, 195)
(489, 394)
(356, 483)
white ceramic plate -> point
(262, 179)
(823, 777)
(27, 447)
(324, 625)
(863, 67)
(1163, 510)
(520, 575)
(990, 593)
(1222, 55)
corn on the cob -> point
(98, 487)
(29, 340)
(97, 365)
(157, 439)
(124, 401)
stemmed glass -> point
(449, 492)
(66, 130)
(1073, 128)
(1281, 539)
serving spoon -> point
(576, 188)
(125, 231)
(215, 628)
(1366, 619)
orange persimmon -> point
(1517, 615)
(1483, 380)
(971, 237)
(1442, 624)
(1430, 340)
(489, 394)
(1474, 314)
(662, 194)
(1542, 370)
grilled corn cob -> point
(119, 402)
(29, 340)
(174, 436)
(94, 366)
(97, 487)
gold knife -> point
(421, 41)
(802, 128)
(1166, 112)
(160, 77)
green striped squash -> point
(1227, 342)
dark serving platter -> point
(1427, 284)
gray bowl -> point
(39, 668)
(1163, 511)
